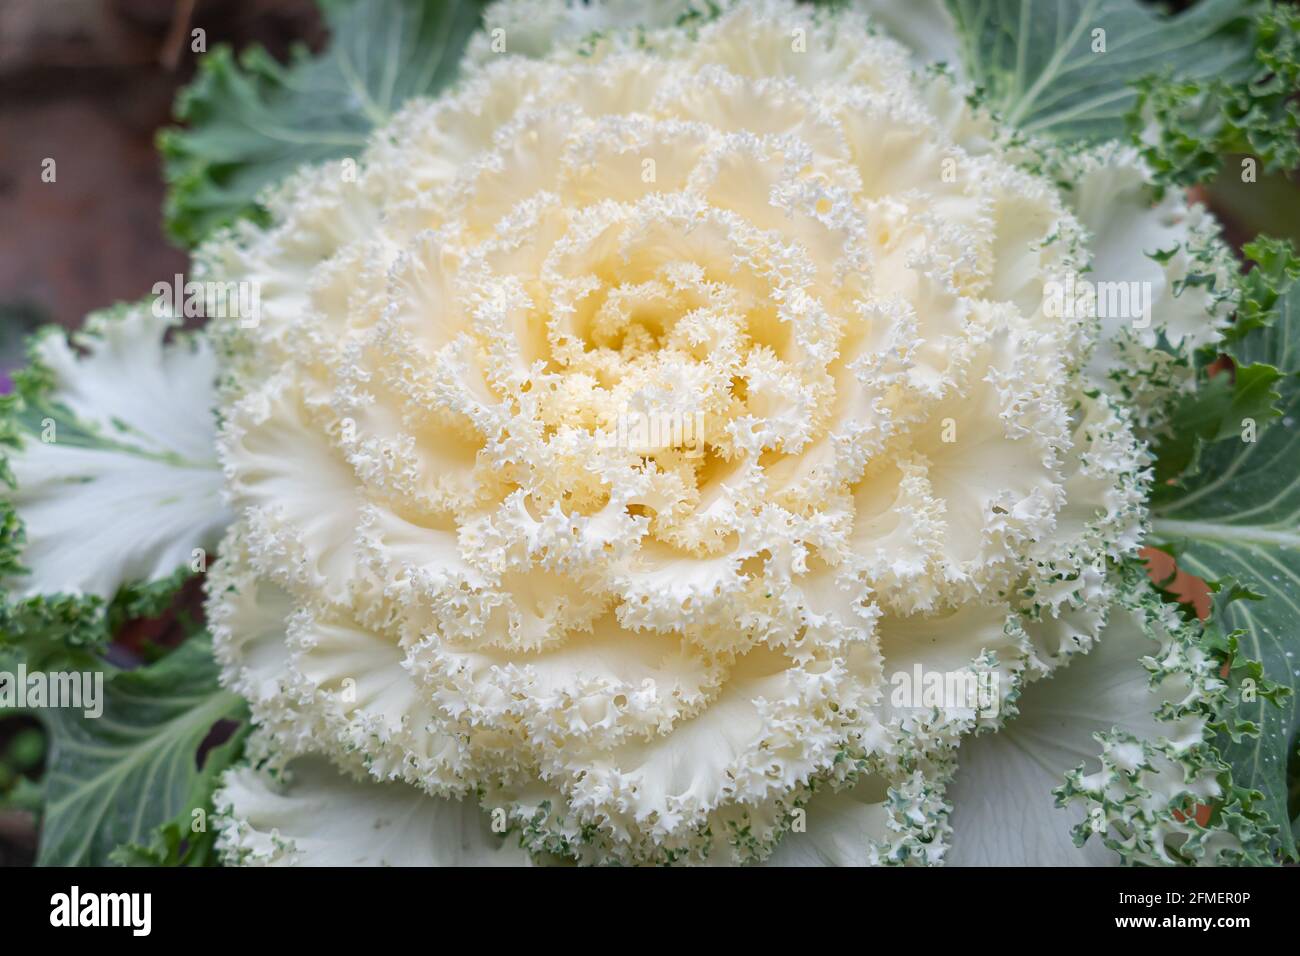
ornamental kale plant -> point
(686, 432)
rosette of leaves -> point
(442, 601)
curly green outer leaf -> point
(253, 121)
(1239, 517)
(1173, 797)
(1233, 406)
(1199, 121)
(116, 779)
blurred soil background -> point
(88, 83)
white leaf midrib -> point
(1169, 529)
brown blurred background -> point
(88, 83)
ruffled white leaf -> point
(536, 27)
(1160, 271)
(840, 828)
(117, 479)
(896, 818)
(1004, 812)
(925, 26)
(316, 816)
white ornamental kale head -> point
(611, 441)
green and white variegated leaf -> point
(110, 473)
(1131, 726)
(114, 780)
(1216, 407)
(251, 123)
(1036, 59)
(312, 814)
(1161, 274)
(1238, 517)
(873, 822)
